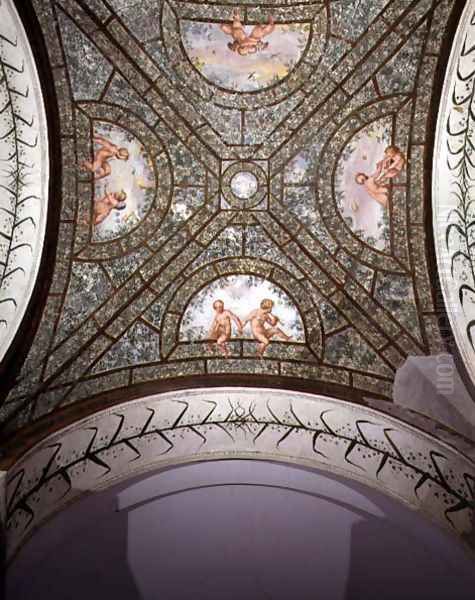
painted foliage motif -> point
(453, 190)
(384, 453)
(244, 57)
(124, 181)
(277, 129)
(242, 306)
(24, 173)
(363, 182)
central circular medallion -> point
(244, 185)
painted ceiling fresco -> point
(243, 193)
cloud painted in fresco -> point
(135, 176)
(207, 49)
(368, 218)
(240, 294)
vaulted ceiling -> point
(232, 196)
(186, 169)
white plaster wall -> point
(453, 191)
(432, 386)
(24, 173)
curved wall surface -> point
(24, 173)
(153, 148)
(453, 189)
(166, 429)
(240, 529)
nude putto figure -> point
(220, 330)
(259, 319)
(387, 168)
(247, 44)
(392, 164)
(377, 191)
(104, 206)
(100, 165)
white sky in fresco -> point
(134, 176)
(207, 47)
(365, 212)
(244, 184)
(240, 294)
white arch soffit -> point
(207, 424)
(24, 173)
(453, 189)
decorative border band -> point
(453, 189)
(176, 427)
(24, 176)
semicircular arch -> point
(293, 287)
(207, 424)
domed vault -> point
(239, 195)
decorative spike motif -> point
(454, 201)
(232, 422)
(23, 173)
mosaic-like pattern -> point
(353, 441)
(297, 163)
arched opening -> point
(239, 529)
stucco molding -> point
(190, 425)
(24, 173)
(453, 189)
